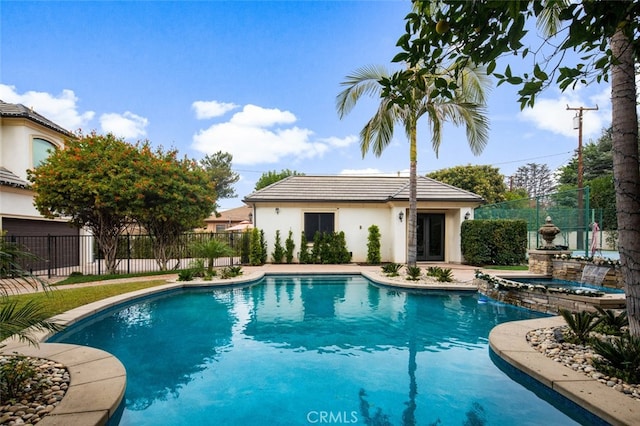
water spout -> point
(594, 274)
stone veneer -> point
(541, 261)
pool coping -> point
(98, 379)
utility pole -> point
(577, 124)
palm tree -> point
(20, 319)
(407, 105)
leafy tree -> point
(516, 194)
(485, 181)
(273, 176)
(218, 168)
(94, 182)
(534, 178)
(604, 40)
(406, 105)
(175, 197)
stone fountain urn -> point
(548, 232)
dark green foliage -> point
(304, 257)
(391, 269)
(622, 355)
(494, 242)
(230, 272)
(187, 274)
(373, 246)
(441, 274)
(580, 323)
(413, 273)
(278, 250)
(263, 248)
(15, 373)
(255, 248)
(211, 249)
(290, 246)
(612, 322)
(245, 247)
(329, 248)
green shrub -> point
(442, 275)
(373, 246)
(15, 373)
(413, 273)
(580, 323)
(263, 248)
(391, 269)
(304, 257)
(255, 248)
(186, 275)
(622, 357)
(278, 250)
(612, 322)
(290, 246)
(230, 272)
(494, 242)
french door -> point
(430, 237)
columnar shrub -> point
(289, 247)
(255, 248)
(373, 246)
(278, 250)
(304, 256)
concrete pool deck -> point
(98, 379)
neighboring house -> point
(227, 219)
(353, 203)
(26, 138)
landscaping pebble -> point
(41, 394)
(577, 357)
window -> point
(40, 151)
(317, 222)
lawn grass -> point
(79, 279)
(57, 301)
(507, 267)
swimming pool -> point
(313, 349)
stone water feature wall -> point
(572, 270)
(550, 263)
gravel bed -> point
(576, 357)
(40, 396)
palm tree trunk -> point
(413, 196)
(626, 171)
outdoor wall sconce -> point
(277, 210)
(467, 215)
(250, 217)
(401, 216)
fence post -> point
(128, 253)
(49, 256)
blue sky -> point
(257, 79)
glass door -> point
(430, 237)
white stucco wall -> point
(355, 220)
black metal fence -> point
(63, 255)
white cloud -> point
(211, 109)
(127, 125)
(259, 135)
(552, 114)
(61, 109)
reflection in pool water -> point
(312, 350)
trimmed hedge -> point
(494, 242)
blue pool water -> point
(556, 283)
(314, 350)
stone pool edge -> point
(509, 342)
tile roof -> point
(8, 178)
(21, 111)
(368, 189)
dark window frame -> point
(318, 222)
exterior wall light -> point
(401, 216)
(467, 215)
(277, 210)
